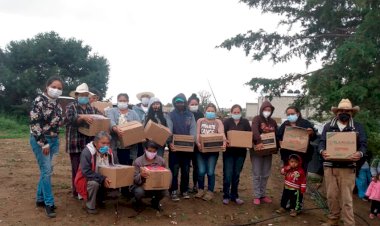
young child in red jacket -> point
(295, 183)
(373, 193)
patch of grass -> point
(12, 127)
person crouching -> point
(149, 158)
(295, 183)
(89, 183)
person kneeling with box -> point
(89, 183)
(144, 166)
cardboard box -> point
(99, 123)
(101, 106)
(295, 139)
(159, 178)
(157, 133)
(270, 145)
(133, 133)
(212, 142)
(340, 145)
(240, 139)
(183, 143)
(120, 175)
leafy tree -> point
(25, 66)
(343, 34)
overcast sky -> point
(165, 47)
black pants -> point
(294, 196)
(375, 207)
(180, 160)
(124, 159)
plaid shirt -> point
(45, 118)
(75, 141)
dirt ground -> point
(19, 174)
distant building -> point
(280, 104)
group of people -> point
(86, 153)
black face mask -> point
(344, 117)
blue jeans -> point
(44, 188)
(233, 161)
(362, 181)
(206, 164)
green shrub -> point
(13, 127)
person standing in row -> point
(233, 157)
(156, 114)
(182, 123)
(294, 119)
(193, 103)
(261, 164)
(45, 120)
(207, 161)
(340, 175)
(78, 113)
(142, 108)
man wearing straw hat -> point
(142, 108)
(340, 175)
(77, 113)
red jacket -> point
(295, 178)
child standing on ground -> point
(373, 193)
(295, 183)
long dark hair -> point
(151, 115)
(295, 109)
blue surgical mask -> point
(83, 100)
(292, 118)
(236, 116)
(210, 115)
(104, 150)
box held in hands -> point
(156, 132)
(99, 123)
(133, 133)
(295, 139)
(240, 139)
(212, 142)
(340, 145)
(120, 175)
(159, 178)
(269, 142)
(183, 143)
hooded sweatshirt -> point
(182, 122)
(295, 178)
(260, 124)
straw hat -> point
(345, 104)
(82, 88)
(140, 95)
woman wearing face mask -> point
(118, 116)
(45, 120)
(233, 157)
(89, 183)
(207, 161)
(78, 113)
(193, 103)
(156, 114)
(294, 118)
(261, 164)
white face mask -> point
(54, 93)
(122, 105)
(266, 114)
(194, 108)
(145, 101)
(150, 155)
